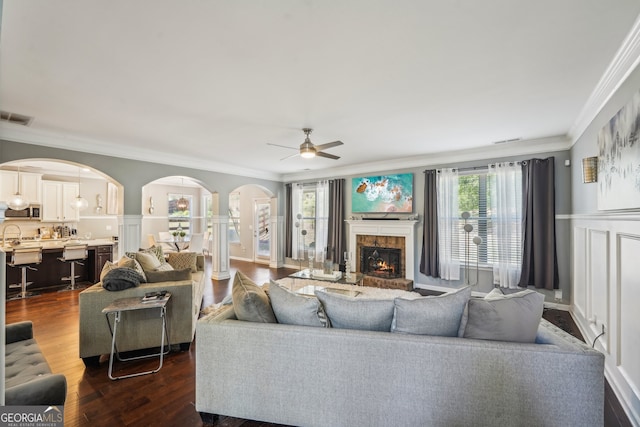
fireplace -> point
(398, 235)
(381, 262)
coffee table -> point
(354, 278)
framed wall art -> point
(619, 159)
(382, 194)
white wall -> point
(605, 254)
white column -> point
(129, 234)
(276, 259)
(220, 244)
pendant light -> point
(79, 203)
(18, 202)
(183, 204)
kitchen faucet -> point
(4, 232)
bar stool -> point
(73, 254)
(25, 258)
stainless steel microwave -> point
(32, 212)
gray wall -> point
(134, 174)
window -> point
(234, 217)
(476, 193)
(207, 211)
(179, 219)
(308, 221)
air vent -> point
(506, 141)
(14, 118)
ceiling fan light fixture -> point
(307, 152)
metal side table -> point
(132, 304)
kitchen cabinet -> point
(30, 186)
(57, 198)
(101, 255)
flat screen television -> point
(382, 194)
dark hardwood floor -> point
(167, 397)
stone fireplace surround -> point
(387, 233)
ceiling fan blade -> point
(327, 155)
(288, 157)
(282, 146)
(328, 145)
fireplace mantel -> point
(405, 228)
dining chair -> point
(196, 243)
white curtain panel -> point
(322, 219)
(506, 207)
(297, 246)
(448, 224)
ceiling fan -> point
(308, 150)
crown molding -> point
(520, 148)
(48, 138)
(624, 62)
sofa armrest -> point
(48, 389)
(19, 331)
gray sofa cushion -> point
(250, 301)
(169, 275)
(499, 317)
(121, 278)
(294, 309)
(353, 313)
(432, 315)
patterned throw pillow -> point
(157, 251)
(182, 260)
(148, 261)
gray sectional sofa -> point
(313, 376)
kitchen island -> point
(49, 274)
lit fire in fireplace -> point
(381, 266)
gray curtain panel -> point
(288, 222)
(429, 260)
(539, 258)
(336, 235)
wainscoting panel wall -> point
(579, 272)
(628, 288)
(606, 293)
(598, 283)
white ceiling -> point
(208, 84)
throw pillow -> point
(294, 309)
(120, 278)
(155, 251)
(107, 267)
(136, 265)
(148, 261)
(168, 276)
(498, 317)
(182, 260)
(352, 313)
(165, 267)
(432, 315)
(250, 301)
